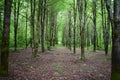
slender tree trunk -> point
(103, 28)
(47, 29)
(55, 30)
(33, 3)
(0, 29)
(5, 39)
(26, 28)
(50, 29)
(88, 35)
(106, 27)
(94, 21)
(64, 37)
(83, 33)
(69, 17)
(82, 27)
(37, 29)
(16, 19)
(74, 29)
(15, 24)
(107, 36)
(43, 26)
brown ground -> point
(59, 64)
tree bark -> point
(107, 36)
(94, 28)
(115, 22)
(32, 21)
(82, 27)
(16, 19)
(116, 42)
(69, 17)
(5, 39)
(37, 29)
(26, 29)
(43, 25)
(83, 33)
(0, 28)
(74, 29)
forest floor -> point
(59, 64)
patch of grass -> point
(58, 69)
(101, 75)
(56, 73)
(81, 70)
(58, 56)
(12, 49)
(35, 55)
(66, 73)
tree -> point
(82, 27)
(69, 24)
(0, 27)
(53, 27)
(5, 38)
(47, 27)
(115, 22)
(105, 26)
(94, 28)
(32, 21)
(116, 42)
(16, 19)
(83, 33)
(43, 9)
(74, 29)
(38, 29)
(107, 36)
(26, 29)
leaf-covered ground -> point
(59, 64)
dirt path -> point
(58, 64)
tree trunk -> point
(37, 29)
(33, 3)
(83, 33)
(74, 29)
(115, 22)
(5, 39)
(82, 27)
(16, 18)
(43, 25)
(0, 29)
(116, 42)
(106, 27)
(107, 30)
(26, 28)
(69, 17)
(94, 21)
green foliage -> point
(1, 4)
(60, 8)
